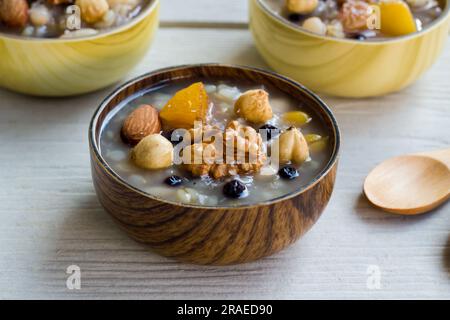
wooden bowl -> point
(66, 67)
(217, 235)
(345, 67)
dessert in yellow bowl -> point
(35, 59)
(335, 55)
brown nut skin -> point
(293, 147)
(254, 106)
(140, 123)
(92, 11)
(153, 152)
(14, 13)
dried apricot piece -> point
(296, 118)
(185, 107)
(396, 18)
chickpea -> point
(39, 15)
(254, 106)
(301, 6)
(153, 152)
(315, 25)
(92, 11)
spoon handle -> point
(440, 155)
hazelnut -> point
(293, 146)
(14, 13)
(301, 6)
(153, 152)
(254, 106)
(92, 10)
(315, 25)
(39, 15)
(140, 123)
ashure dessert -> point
(358, 19)
(215, 143)
(65, 18)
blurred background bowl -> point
(345, 67)
(65, 67)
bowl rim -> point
(279, 19)
(95, 150)
(150, 7)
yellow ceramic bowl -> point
(63, 67)
(343, 67)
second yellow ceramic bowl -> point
(341, 67)
(64, 67)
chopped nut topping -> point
(254, 106)
(239, 152)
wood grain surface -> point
(410, 184)
(51, 217)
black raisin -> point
(288, 173)
(173, 181)
(359, 36)
(295, 17)
(235, 190)
(174, 138)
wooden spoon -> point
(410, 184)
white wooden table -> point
(50, 217)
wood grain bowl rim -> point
(435, 24)
(94, 147)
(148, 9)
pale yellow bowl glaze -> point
(341, 67)
(64, 67)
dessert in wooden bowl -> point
(214, 164)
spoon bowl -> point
(410, 184)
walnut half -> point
(239, 152)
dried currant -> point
(173, 181)
(288, 173)
(235, 190)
